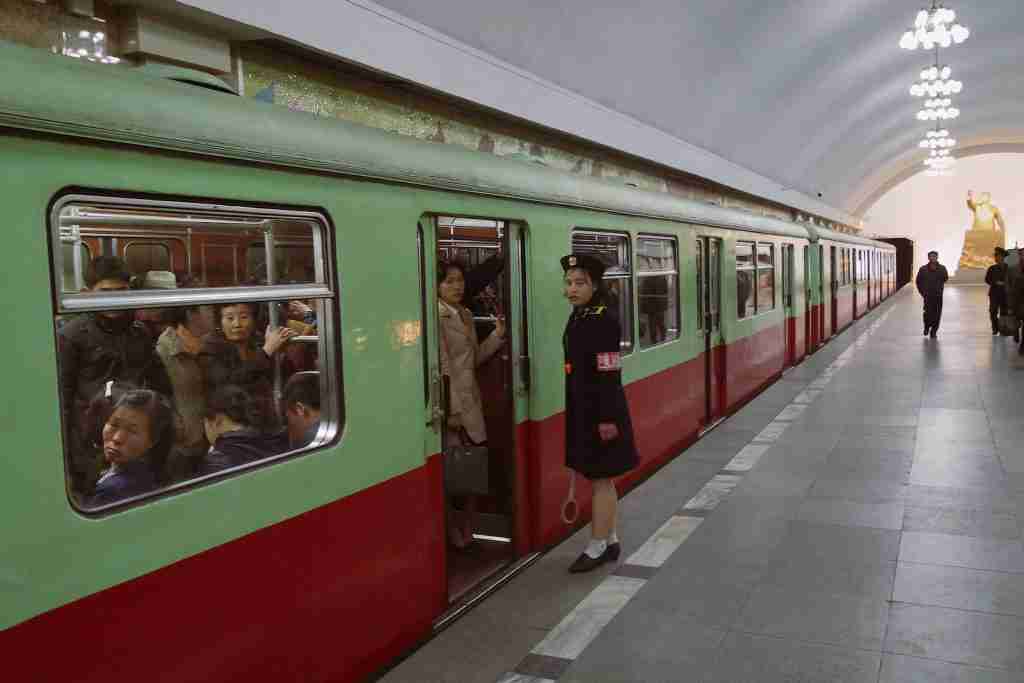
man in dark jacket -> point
(996, 279)
(931, 280)
(95, 348)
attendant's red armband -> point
(609, 362)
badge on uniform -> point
(609, 362)
(568, 368)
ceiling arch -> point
(804, 102)
(812, 93)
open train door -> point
(493, 517)
(709, 289)
(789, 310)
(833, 279)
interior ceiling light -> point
(934, 27)
(88, 45)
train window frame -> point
(673, 289)
(324, 291)
(627, 344)
(752, 269)
(759, 268)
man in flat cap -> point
(931, 281)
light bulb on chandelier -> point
(934, 27)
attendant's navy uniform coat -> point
(594, 394)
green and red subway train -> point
(328, 562)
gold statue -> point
(987, 232)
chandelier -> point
(938, 110)
(934, 27)
(936, 82)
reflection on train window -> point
(657, 289)
(70, 282)
(221, 248)
(173, 380)
(142, 257)
(613, 250)
(765, 277)
(745, 275)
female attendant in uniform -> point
(598, 431)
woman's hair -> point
(444, 266)
(238, 404)
(99, 410)
(162, 424)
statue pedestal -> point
(978, 248)
(968, 276)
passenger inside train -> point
(137, 438)
(178, 348)
(302, 408)
(95, 348)
(235, 353)
(239, 429)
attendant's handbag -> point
(1008, 325)
(466, 464)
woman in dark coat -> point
(598, 431)
(235, 352)
(137, 436)
(238, 430)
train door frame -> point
(516, 374)
(810, 323)
(709, 254)
(834, 286)
(788, 312)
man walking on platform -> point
(931, 280)
(996, 279)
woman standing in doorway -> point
(461, 354)
(598, 431)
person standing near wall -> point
(930, 281)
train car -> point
(904, 262)
(325, 559)
(848, 277)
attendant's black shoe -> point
(925, 333)
(586, 563)
(613, 550)
(935, 334)
(995, 333)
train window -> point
(172, 386)
(745, 279)
(765, 277)
(142, 257)
(613, 249)
(658, 290)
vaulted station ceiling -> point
(811, 93)
(795, 97)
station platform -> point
(860, 521)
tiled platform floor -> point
(877, 540)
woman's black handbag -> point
(466, 469)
